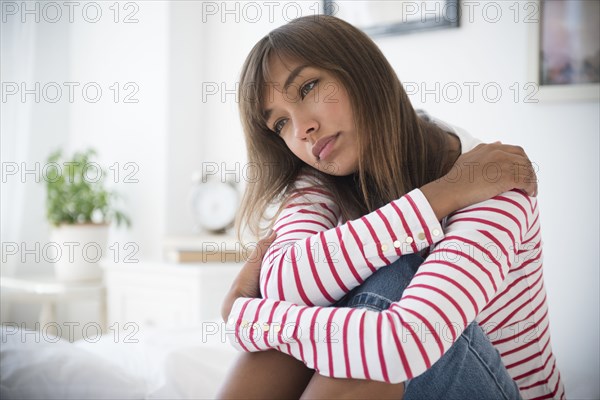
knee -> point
(385, 286)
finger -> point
(492, 144)
(509, 148)
(528, 173)
(526, 180)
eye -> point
(279, 126)
(307, 88)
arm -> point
(452, 286)
(315, 262)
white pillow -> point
(38, 366)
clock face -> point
(214, 205)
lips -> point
(321, 143)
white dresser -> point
(165, 294)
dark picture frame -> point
(412, 16)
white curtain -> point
(32, 55)
(17, 65)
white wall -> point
(186, 130)
(132, 134)
(561, 138)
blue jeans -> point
(470, 369)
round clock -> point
(214, 203)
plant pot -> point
(77, 251)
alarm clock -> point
(214, 203)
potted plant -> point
(80, 210)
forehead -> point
(278, 64)
(278, 73)
(278, 69)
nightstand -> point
(44, 289)
(162, 294)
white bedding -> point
(173, 364)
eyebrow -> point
(293, 75)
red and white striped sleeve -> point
(315, 262)
(454, 283)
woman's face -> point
(310, 110)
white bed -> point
(164, 364)
(185, 363)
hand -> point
(246, 284)
(480, 174)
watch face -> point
(214, 205)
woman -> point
(358, 176)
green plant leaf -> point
(76, 192)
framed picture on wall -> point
(564, 50)
(385, 17)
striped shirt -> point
(485, 265)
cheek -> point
(299, 151)
(340, 112)
(333, 91)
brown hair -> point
(398, 151)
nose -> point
(305, 127)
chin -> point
(337, 169)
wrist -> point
(230, 298)
(441, 197)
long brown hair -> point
(398, 151)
